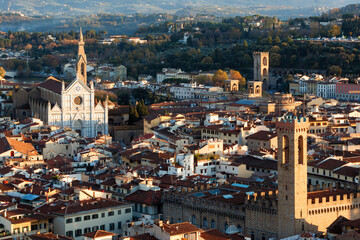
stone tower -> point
(254, 89)
(292, 175)
(261, 68)
(81, 61)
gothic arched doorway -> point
(78, 127)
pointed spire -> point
(81, 60)
(81, 36)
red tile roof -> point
(180, 228)
(145, 236)
(64, 208)
(7, 144)
(213, 234)
(98, 234)
(150, 197)
(262, 135)
(52, 84)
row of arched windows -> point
(334, 209)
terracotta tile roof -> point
(7, 144)
(98, 234)
(306, 235)
(64, 208)
(352, 223)
(214, 234)
(336, 227)
(262, 135)
(51, 84)
(180, 228)
(150, 197)
(145, 236)
(329, 164)
(347, 171)
(144, 137)
(256, 162)
(109, 182)
(48, 236)
(62, 163)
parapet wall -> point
(292, 122)
(263, 202)
(336, 201)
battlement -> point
(292, 122)
(332, 200)
(263, 202)
(328, 199)
(261, 197)
(259, 53)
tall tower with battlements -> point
(292, 175)
(81, 61)
(261, 68)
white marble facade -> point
(74, 106)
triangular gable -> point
(56, 108)
(77, 117)
(74, 83)
(81, 58)
(99, 106)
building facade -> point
(261, 68)
(73, 106)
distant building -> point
(120, 73)
(255, 89)
(71, 106)
(261, 68)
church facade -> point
(73, 106)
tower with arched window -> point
(261, 68)
(254, 89)
(81, 61)
(292, 175)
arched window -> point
(265, 72)
(263, 236)
(286, 149)
(226, 226)
(193, 219)
(205, 223)
(251, 89)
(301, 150)
(264, 61)
(239, 228)
(212, 223)
(252, 235)
(11, 153)
(234, 87)
(83, 69)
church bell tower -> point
(81, 61)
(261, 68)
(292, 175)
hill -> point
(226, 7)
